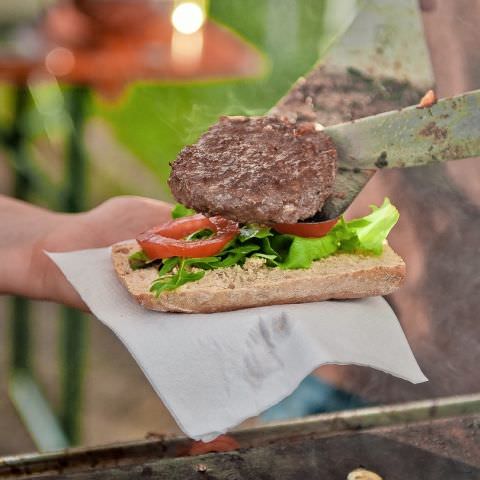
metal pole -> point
(74, 326)
(20, 321)
(24, 391)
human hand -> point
(30, 273)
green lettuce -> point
(139, 260)
(363, 235)
(179, 211)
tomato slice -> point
(167, 240)
(313, 229)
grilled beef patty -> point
(264, 170)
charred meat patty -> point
(264, 170)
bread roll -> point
(339, 276)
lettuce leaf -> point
(303, 251)
(247, 232)
(180, 210)
(369, 233)
(363, 235)
(139, 260)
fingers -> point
(123, 218)
(117, 219)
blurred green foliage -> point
(156, 120)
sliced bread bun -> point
(254, 284)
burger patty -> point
(264, 170)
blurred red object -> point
(107, 44)
(117, 15)
(223, 443)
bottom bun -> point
(254, 284)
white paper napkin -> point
(213, 371)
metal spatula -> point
(386, 41)
(449, 130)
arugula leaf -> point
(161, 284)
(241, 249)
(278, 245)
(189, 276)
(177, 279)
(168, 265)
(253, 231)
(271, 259)
(139, 260)
(181, 211)
(235, 255)
(199, 234)
(205, 263)
(365, 234)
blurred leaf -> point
(180, 211)
(156, 120)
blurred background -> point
(98, 96)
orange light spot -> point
(59, 61)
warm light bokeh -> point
(188, 17)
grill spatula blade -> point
(449, 130)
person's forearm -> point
(23, 226)
(26, 232)
(12, 268)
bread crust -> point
(339, 276)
